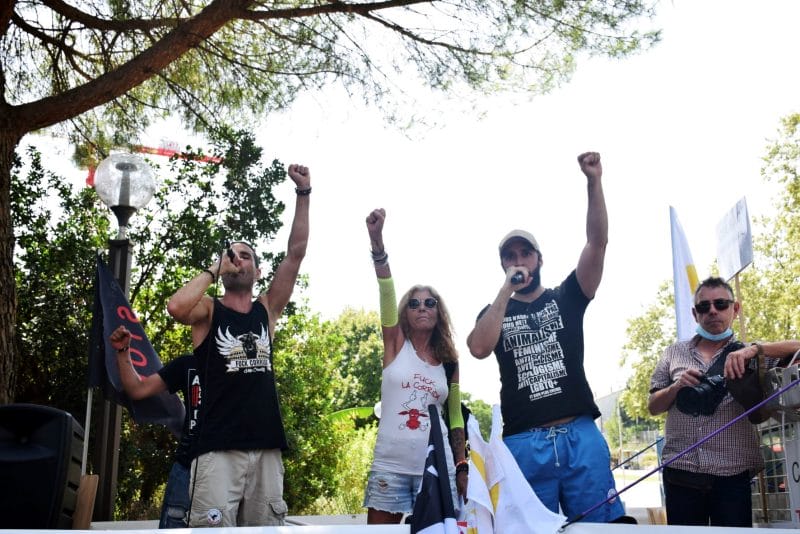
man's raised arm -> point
(590, 264)
(280, 291)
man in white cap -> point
(537, 336)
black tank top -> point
(239, 409)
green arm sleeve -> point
(388, 302)
(454, 407)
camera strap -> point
(718, 367)
(747, 390)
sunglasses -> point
(704, 306)
(429, 302)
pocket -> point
(279, 508)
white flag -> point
(479, 509)
(684, 277)
(518, 509)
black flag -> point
(111, 309)
(433, 509)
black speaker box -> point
(40, 466)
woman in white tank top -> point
(417, 342)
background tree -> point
(612, 429)
(482, 411)
(353, 461)
(103, 71)
(307, 359)
(769, 287)
(58, 232)
(647, 337)
(362, 358)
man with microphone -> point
(537, 337)
(237, 473)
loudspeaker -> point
(40, 466)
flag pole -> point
(86, 423)
(742, 327)
(762, 484)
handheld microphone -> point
(517, 278)
(230, 253)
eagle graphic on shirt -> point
(248, 352)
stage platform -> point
(356, 524)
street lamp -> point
(125, 183)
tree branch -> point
(45, 38)
(96, 23)
(334, 6)
(113, 84)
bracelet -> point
(462, 466)
(380, 258)
(303, 192)
(213, 277)
(759, 349)
(123, 349)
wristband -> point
(454, 406)
(759, 349)
(213, 278)
(303, 192)
(388, 302)
(123, 349)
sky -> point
(683, 124)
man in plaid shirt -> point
(710, 485)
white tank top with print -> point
(409, 385)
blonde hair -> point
(444, 348)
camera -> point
(703, 398)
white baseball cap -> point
(519, 234)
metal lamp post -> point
(125, 183)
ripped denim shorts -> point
(391, 492)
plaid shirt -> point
(731, 452)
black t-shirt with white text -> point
(540, 355)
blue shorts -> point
(390, 492)
(569, 466)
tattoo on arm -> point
(458, 444)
